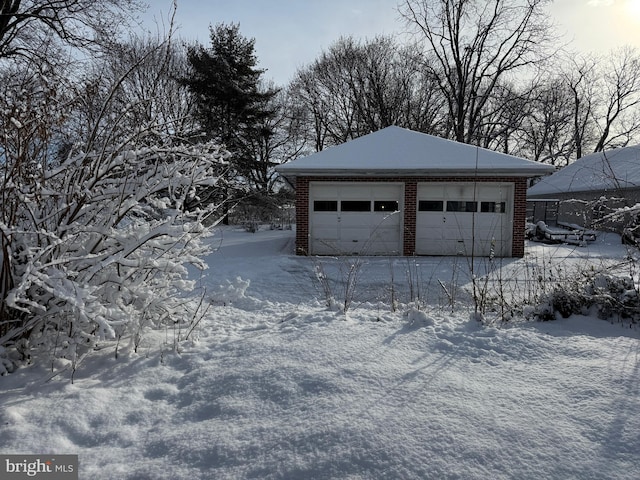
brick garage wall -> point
(519, 216)
(410, 203)
(410, 200)
(302, 215)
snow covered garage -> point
(400, 192)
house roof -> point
(398, 151)
(600, 171)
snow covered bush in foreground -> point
(96, 248)
(612, 297)
(105, 189)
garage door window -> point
(385, 206)
(355, 206)
(492, 207)
(430, 206)
(460, 206)
(325, 206)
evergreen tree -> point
(231, 106)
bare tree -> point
(323, 87)
(620, 93)
(476, 44)
(355, 88)
(425, 107)
(26, 24)
(278, 141)
(151, 90)
(602, 95)
(502, 117)
(328, 82)
(581, 81)
(546, 135)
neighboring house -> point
(400, 192)
(590, 188)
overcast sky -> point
(291, 33)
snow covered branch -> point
(101, 244)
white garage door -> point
(355, 218)
(464, 219)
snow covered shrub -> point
(624, 220)
(565, 299)
(96, 247)
(338, 289)
(542, 312)
(614, 296)
(417, 318)
(230, 291)
(100, 214)
(324, 283)
(610, 296)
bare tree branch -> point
(476, 45)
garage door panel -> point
(482, 247)
(432, 219)
(354, 234)
(323, 246)
(457, 226)
(386, 231)
(491, 246)
(385, 222)
(328, 233)
(451, 234)
(489, 232)
(364, 221)
(326, 225)
(438, 247)
(474, 219)
(464, 247)
(391, 238)
(489, 220)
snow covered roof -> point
(395, 150)
(600, 171)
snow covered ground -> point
(273, 384)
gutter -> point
(514, 172)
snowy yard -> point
(275, 385)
